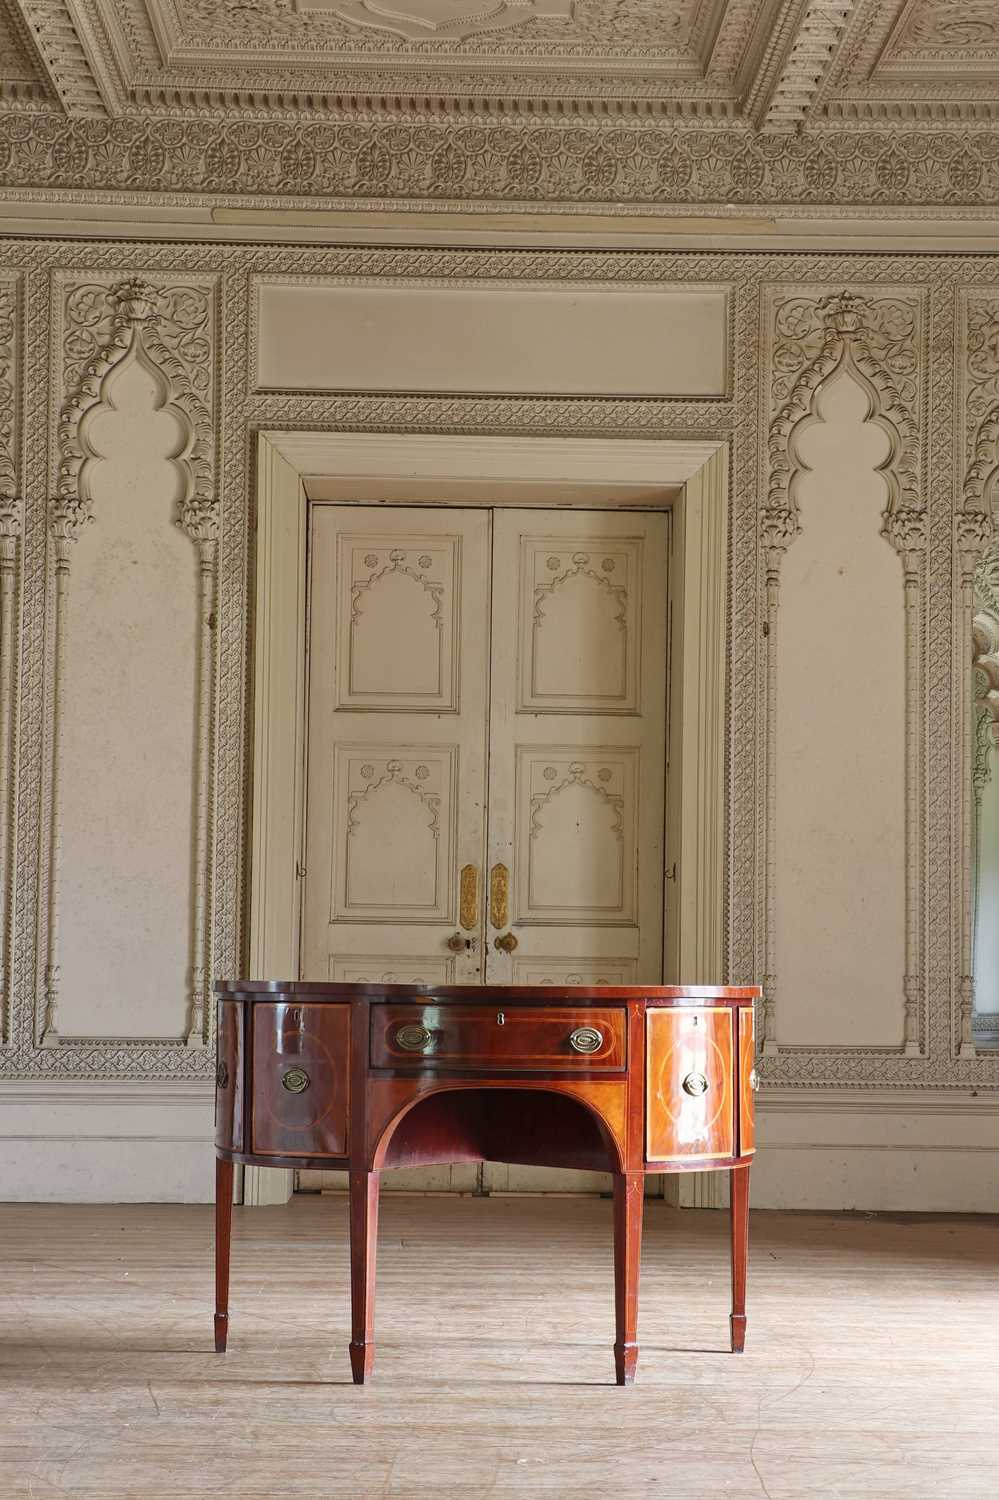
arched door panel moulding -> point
(163, 328)
(876, 340)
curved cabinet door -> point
(690, 1069)
(229, 1077)
(747, 1069)
(301, 1073)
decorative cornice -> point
(57, 43)
(816, 37)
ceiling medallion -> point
(420, 20)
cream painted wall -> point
(128, 733)
(840, 742)
(846, 1120)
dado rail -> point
(365, 1077)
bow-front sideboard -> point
(365, 1077)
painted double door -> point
(486, 745)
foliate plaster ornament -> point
(876, 338)
(11, 522)
(521, 159)
(940, 281)
(458, 19)
(167, 328)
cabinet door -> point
(577, 747)
(690, 1069)
(301, 1079)
(747, 1077)
(229, 1076)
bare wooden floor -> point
(871, 1369)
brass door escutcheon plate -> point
(499, 895)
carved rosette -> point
(875, 337)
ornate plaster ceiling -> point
(846, 89)
(770, 63)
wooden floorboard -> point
(871, 1367)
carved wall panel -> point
(943, 441)
(106, 331)
(583, 600)
(576, 835)
(975, 528)
(840, 740)
(11, 521)
(394, 829)
(397, 637)
(879, 340)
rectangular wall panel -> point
(492, 337)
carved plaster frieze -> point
(168, 328)
(937, 283)
(530, 162)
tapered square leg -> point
(223, 1239)
(739, 1223)
(363, 1249)
(629, 1200)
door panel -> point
(577, 744)
(689, 1107)
(398, 672)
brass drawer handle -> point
(296, 1080)
(413, 1037)
(754, 1079)
(586, 1039)
(695, 1084)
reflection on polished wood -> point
(627, 1079)
(871, 1374)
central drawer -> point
(579, 1039)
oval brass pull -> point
(695, 1084)
(296, 1080)
(221, 1075)
(586, 1039)
(507, 943)
(754, 1079)
(458, 944)
(413, 1037)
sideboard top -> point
(267, 989)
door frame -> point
(688, 478)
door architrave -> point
(688, 478)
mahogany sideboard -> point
(365, 1077)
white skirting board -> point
(922, 1152)
(912, 1151)
(107, 1143)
